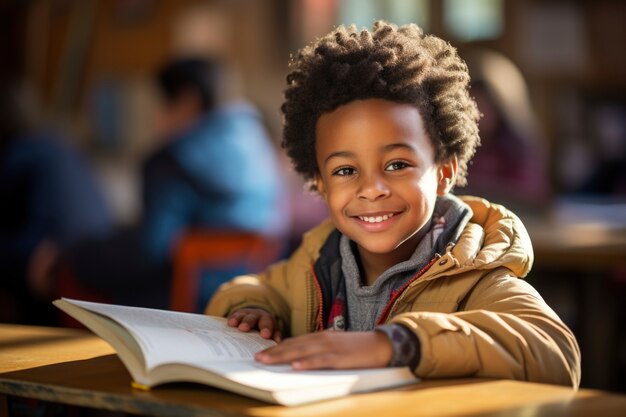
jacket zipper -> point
(394, 298)
(320, 317)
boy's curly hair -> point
(400, 64)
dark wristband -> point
(405, 345)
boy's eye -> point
(396, 165)
(344, 171)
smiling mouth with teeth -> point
(376, 219)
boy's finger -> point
(284, 353)
(266, 326)
(277, 336)
(234, 319)
(266, 322)
(248, 322)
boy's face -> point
(378, 174)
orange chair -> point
(200, 250)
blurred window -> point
(468, 20)
(364, 12)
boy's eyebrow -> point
(393, 146)
(386, 148)
(338, 154)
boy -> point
(383, 127)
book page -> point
(290, 387)
(174, 337)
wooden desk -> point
(587, 246)
(77, 368)
(588, 235)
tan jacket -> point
(472, 313)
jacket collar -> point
(493, 237)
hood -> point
(494, 237)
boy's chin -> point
(398, 247)
(378, 248)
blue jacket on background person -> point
(220, 174)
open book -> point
(159, 346)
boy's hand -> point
(248, 319)
(335, 350)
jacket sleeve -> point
(275, 289)
(505, 330)
(265, 290)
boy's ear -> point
(319, 186)
(447, 176)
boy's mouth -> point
(376, 219)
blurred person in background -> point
(49, 200)
(215, 169)
(512, 155)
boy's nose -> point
(372, 187)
